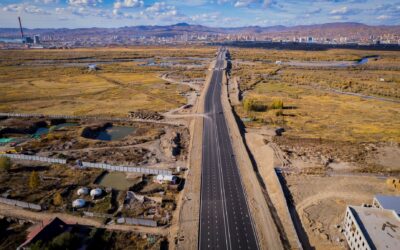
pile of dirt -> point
(92, 131)
(21, 126)
(145, 115)
(324, 151)
(174, 143)
(321, 154)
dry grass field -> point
(58, 81)
(312, 108)
(310, 113)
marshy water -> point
(116, 180)
(44, 130)
(114, 133)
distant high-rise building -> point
(36, 39)
(310, 39)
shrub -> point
(279, 113)
(251, 105)
(277, 104)
(5, 164)
(57, 199)
(34, 180)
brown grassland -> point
(311, 107)
(58, 81)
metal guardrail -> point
(22, 204)
(34, 158)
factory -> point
(27, 40)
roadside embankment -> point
(189, 213)
(267, 233)
(265, 158)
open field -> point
(337, 149)
(321, 203)
(51, 81)
(309, 113)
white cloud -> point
(341, 10)
(13, 8)
(128, 4)
(46, 1)
(243, 3)
(161, 9)
(27, 8)
(337, 17)
(205, 17)
(84, 2)
(266, 3)
(383, 17)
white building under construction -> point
(374, 227)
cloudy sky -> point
(217, 13)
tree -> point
(57, 199)
(34, 180)
(5, 164)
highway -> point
(225, 221)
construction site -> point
(120, 167)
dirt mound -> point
(174, 142)
(21, 126)
(367, 157)
(145, 115)
(93, 130)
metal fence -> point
(92, 214)
(72, 117)
(127, 169)
(88, 117)
(134, 221)
(141, 170)
(34, 158)
(22, 204)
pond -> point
(116, 180)
(114, 133)
(44, 130)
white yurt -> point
(96, 192)
(78, 203)
(83, 191)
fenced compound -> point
(141, 170)
(34, 158)
(134, 221)
(22, 204)
(127, 169)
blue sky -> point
(216, 13)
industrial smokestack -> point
(20, 27)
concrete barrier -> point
(135, 221)
(34, 158)
(141, 170)
(22, 204)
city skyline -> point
(220, 13)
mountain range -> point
(348, 29)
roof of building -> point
(389, 202)
(381, 227)
(45, 231)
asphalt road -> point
(225, 221)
